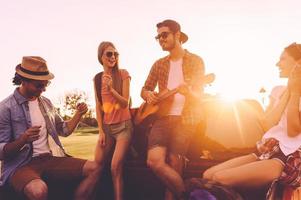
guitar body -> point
(147, 113)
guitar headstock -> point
(209, 78)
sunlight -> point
(238, 123)
(230, 97)
(233, 124)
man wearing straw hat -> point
(29, 125)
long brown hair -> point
(116, 77)
(294, 50)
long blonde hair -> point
(117, 81)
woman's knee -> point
(116, 169)
(36, 189)
(221, 177)
(208, 174)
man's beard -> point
(170, 47)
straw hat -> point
(34, 67)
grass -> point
(81, 144)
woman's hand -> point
(102, 139)
(108, 81)
(268, 145)
(294, 81)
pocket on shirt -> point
(19, 118)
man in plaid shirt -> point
(170, 134)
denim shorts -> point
(170, 132)
(275, 153)
(122, 130)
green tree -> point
(70, 101)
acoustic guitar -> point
(148, 112)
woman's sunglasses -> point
(162, 35)
(109, 54)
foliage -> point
(68, 107)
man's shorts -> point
(170, 132)
(47, 168)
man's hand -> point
(31, 134)
(81, 108)
(151, 97)
(183, 89)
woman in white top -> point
(282, 123)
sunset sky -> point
(239, 40)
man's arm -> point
(9, 148)
(194, 87)
(198, 80)
(147, 92)
(81, 109)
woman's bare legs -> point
(117, 166)
(242, 172)
(234, 162)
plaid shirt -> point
(291, 174)
(193, 73)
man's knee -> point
(155, 164)
(92, 168)
(36, 189)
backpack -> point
(199, 188)
(201, 194)
(97, 85)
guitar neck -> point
(168, 94)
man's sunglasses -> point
(40, 85)
(162, 35)
(109, 54)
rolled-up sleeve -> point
(57, 122)
(199, 73)
(152, 78)
(5, 129)
(61, 126)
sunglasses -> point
(109, 54)
(162, 35)
(40, 85)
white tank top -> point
(175, 78)
(287, 144)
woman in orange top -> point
(113, 114)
